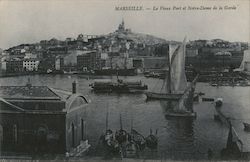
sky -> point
(29, 21)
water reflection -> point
(168, 106)
(181, 138)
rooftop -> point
(28, 92)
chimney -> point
(74, 87)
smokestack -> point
(74, 87)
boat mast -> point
(169, 71)
(131, 123)
(121, 122)
(107, 115)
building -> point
(122, 29)
(67, 62)
(40, 120)
(223, 55)
(30, 56)
(57, 50)
(154, 62)
(30, 64)
(58, 63)
(191, 52)
(122, 62)
(89, 60)
(14, 65)
(138, 62)
(82, 37)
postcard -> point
(124, 80)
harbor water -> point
(178, 138)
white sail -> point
(172, 48)
(177, 67)
(166, 87)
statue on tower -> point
(121, 27)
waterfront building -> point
(59, 63)
(90, 60)
(30, 64)
(14, 65)
(41, 120)
(69, 60)
(121, 62)
(138, 62)
(191, 52)
(154, 62)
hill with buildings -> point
(121, 49)
(139, 38)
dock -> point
(239, 136)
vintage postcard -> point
(124, 80)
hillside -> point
(139, 38)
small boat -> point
(152, 140)
(218, 102)
(121, 136)
(131, 150)
(138, 139)
(179, 114)
(207, 99)
(214, 84)
(246, 127)
(110, 144)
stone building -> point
(89, 60)
(41, 120)
(30, 64)
(14, 65)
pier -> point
(239, 137)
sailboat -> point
(109, 142)
(121, 135)
(175, 87)
(175, 81)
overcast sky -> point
(31, 21)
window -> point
(15, 134)
(1, 134)
(73, 135)
(83, 129)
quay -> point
(238, 139)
